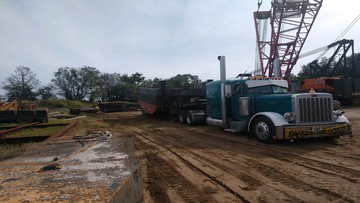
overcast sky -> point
(158, 38)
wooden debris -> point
(11, 130)
(62, 132)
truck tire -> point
(182, 116)
(189, 119)
(263, 129)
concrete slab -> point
(73, 171)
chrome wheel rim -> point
(262, 130)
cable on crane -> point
(348, 28)
(326, 48)
(259, 4)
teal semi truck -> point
(261, 107)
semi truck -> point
(261, 107)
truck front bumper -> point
(301, 132)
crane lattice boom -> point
(290, 23)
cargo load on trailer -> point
(173, 101)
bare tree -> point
(21, 85)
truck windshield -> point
(270, 89)
(279, 90)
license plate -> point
(316, 129)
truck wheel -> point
(263, 129)
(182, 117)
(189, 119)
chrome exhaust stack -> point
(222, 87)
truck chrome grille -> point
(314, 108)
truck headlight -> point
(338, 113)
(289, 116)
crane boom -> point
(290, 23)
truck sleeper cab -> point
(264, 109)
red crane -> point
(290, 22)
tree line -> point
(90, 84)
(326, 68)
(85, 83)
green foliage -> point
(184, 81)
(88, 83)
(134, 79)
(151, 83)
(178, 81)
(77, 83)
(122, 92)
(318, 69)
(116, 87)
(46, 92)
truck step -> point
(232, 130)
(236, 126)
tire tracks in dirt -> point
(204, 189)
(268, 171)
(285, 168)
(285, 155)
(331, 170)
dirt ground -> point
(182, 163)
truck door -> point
(239, 103)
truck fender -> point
(276, 119)
(342, 119)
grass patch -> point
(9, 124)
(30, 132)
(51, 121)
(62, 103)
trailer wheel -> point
(189, 119)
(263, 129)
(182, 116)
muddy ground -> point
(182, 163)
